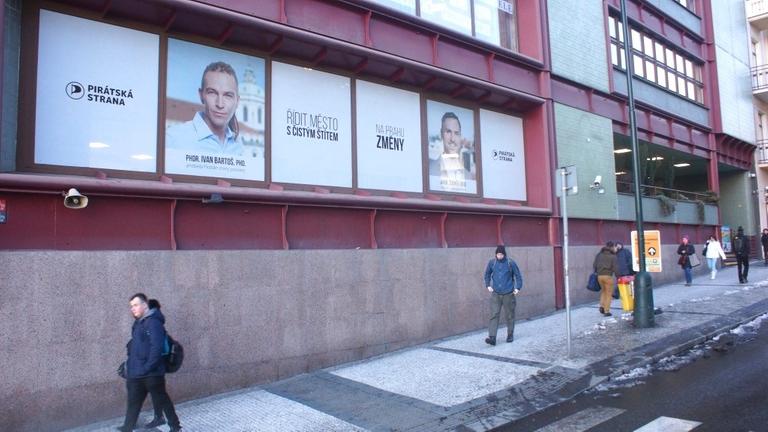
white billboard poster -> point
(96, 95)
(311, 127)
(214, 112)
(503, 156)
(388, 140)
(451, 148)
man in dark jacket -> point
(145, 367)
(764, 242)
(504, 281)
(623, 265)
(741, 248)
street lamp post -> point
(643, 313)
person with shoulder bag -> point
(713, 251)
(504, 281)
(686, 251)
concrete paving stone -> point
(437, 377)
(251, 411)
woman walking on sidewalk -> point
(713, 251)
(686, 250)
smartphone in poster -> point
(388, 140)
(451, 148)
(503, 156)
(214, 112)
(311, 134)
(96, 95)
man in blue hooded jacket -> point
(145, 367)
(504, 281)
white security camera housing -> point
(598, 182)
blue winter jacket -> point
(145, 349)
(503, 276)
(623, 263)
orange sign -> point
(652, 248)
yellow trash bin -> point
(627, 292)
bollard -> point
(643, 314)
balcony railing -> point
(652, 191)
(760, 77)
(756, 7)
(762, 151)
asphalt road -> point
(718, 386)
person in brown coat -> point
(606, 267)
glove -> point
(490, 289)
(515, 291)
(121, 370)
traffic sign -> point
(652, 249)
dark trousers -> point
(508, 302)
(137, 392)
(742, 261)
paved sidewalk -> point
(463, 384)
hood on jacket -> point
(501, 250)
(155, 313)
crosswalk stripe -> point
(669, 424)
(583, 420)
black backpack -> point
(173, 354)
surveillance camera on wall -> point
(597, 183)
(74, 199)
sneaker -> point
(157, 421)
(607, 314)
(175, 429)
(602, 311)
(510, 338)
(490, 340)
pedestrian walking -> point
(145, 368)
(764, 242)
(159, 418)
(713, 251)
(686, 250)
(741, 248)
(623, 265)
(504, 281)
(605, 265)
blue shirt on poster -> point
(196, 136)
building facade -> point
(303, 183)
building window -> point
(688, 4)
(657, 63)
(492, 21)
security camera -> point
(597, 183)
(74, 199)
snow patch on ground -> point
(627, 380)
(699, 300)
(749, 328)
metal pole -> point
(643, 313)
(564, 211)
